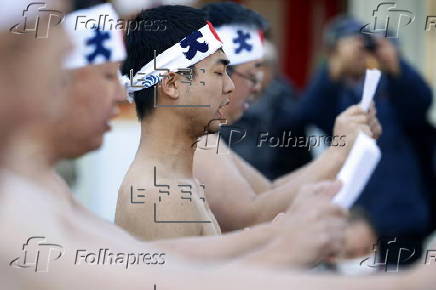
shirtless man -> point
(239, 195)
(43, 74)
(28, 210)
(159, 198)
(77, 126)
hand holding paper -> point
(363, 157)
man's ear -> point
(170, 86)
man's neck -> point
(167, 143)
(31, 156)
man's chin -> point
(235, 118)
(213, 128)
(214, 125)
(357, 74)
(92, 144)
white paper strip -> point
(372, 78)
(358, 168)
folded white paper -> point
(372, 78)
(357, 169)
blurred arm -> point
(233, 198)
(411, 96)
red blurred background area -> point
(297, 27)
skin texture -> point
(53, 218)
(38, 98)
(387, 56)
(74, 128)
(245, 90)
(359, 240)
(166, 143)
(238, 194)
(27, 208)
(82, 125)
(85, 114)
(58, 199)
(349, 58)
(22, 56)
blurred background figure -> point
(264, 117)
(359, 251)
(397, 195)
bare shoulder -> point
(212, 158)
(37, 213)
(152, 208)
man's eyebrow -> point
(223, 61)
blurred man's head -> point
(94, 90)
(31, 76)
(270, 65)
(188, 41)
(346, 44)
(93, 96)
(241, 30)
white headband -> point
(93, 42)
(195, 47)
(240, 43)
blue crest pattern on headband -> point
(98, 42)
(241, 39)
(194, 46)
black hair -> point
(82, 4)
(231, 13)
(345, 26)
(178, 21)
(341, 26)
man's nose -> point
(257, 88)
(229, 86)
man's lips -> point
(220, 113)
(221, 107)
(115, 113)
